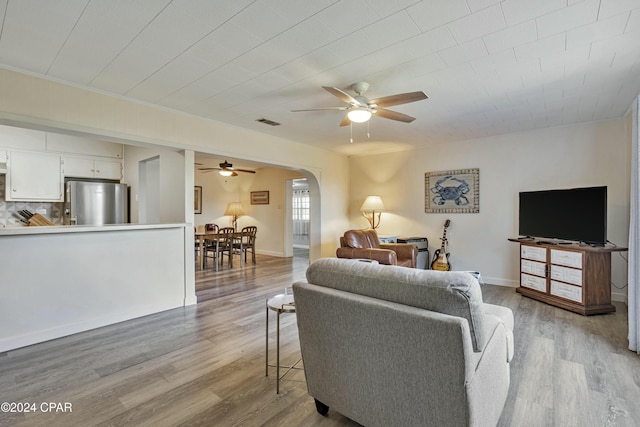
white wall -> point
(146, 198)
(171, 173)
(563, 157)
(271, 219)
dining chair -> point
(226, 239)
(221, 243)
(196, 246)
(247, 242)
(202, 229)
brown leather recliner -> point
(364, 244)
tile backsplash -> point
(8, 209)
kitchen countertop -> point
(56, 229)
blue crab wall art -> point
(450, 188)
(452, 191)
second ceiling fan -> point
(361, 108)
(226, 169)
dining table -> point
(202, 237)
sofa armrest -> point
(504, 316)
(490, 373)
(383, 256)
(404, 251)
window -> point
(301, 205)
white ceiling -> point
(488, 66)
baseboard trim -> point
(82, 325)
(271, 253)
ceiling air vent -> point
(268, 122)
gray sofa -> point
(392, 346)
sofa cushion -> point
(447, 292)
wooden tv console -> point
(572, 276)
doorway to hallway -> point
(300, 205)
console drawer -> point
(533, 267)
(533, 282)
(573, 293)
(567, 258)
(565, 274)
(534, 253)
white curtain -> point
(634, 234)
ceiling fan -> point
(361, 108)
(226, 169)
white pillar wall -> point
(634, 233)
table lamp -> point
(235, 210)
(371, 209)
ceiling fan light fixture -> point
(359, 115)
(226, 172)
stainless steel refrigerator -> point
(95, 203)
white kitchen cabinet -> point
(108, 170)
(80, 167)
(33, 176)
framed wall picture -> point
(259, 197)
(197, 200)
(452, 191)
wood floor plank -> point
(204, 365)
(527, 413)
(537, 382)
(571, 405)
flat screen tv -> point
(577, 214)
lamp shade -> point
(372, 203)
(359, 115)
(225, 172)
(234, 209)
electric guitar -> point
(441, 258)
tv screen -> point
(578, 214)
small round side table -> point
(282, 303)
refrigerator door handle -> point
(73, 220)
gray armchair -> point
(385, 345)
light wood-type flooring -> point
(204, 365)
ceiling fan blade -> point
(394, 115)
(402, 98)
(208, 169)
(320, 109)
(345, 121)
(343, 96)
(244, 170)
